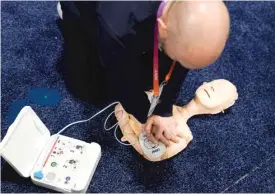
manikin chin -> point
(210, 98)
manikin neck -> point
(194, 108)
(190, 110)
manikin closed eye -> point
(207, 93)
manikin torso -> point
(210, 98)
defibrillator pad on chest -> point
(151, 150)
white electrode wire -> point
(107, 129)
(116, 126)
(83, 121)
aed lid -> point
(24, 141)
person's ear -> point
(162, 28)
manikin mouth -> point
(207, 93)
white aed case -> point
(56, 162)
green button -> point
(53, 164)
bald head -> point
(195, 31)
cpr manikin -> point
(210, 98)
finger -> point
(170, 135)
(164, 140)
(152, 138)
(152, 134)
(148, 126)
(143, 127)
(158, 132)
(175, 139)
(167, 134)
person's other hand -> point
(161, 129)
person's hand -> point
(161, 129)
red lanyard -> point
(156, 65)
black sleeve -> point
(172, 89)
(121, 63)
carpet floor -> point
(231, 152)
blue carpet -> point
(232, 152)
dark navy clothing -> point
(123, 46)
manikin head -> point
(194, 33)
(216, 96)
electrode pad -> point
(151, 150)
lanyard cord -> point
(156, 65)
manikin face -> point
(217, 94)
